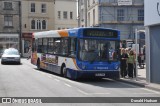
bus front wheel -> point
(38, 64)
(64, 72)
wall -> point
(155, 51)
(69, 6)
(13, 12)
(152, 12)
(27, 16)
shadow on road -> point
(105, 82)
(9, 63)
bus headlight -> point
(116, 67)
(83, 66)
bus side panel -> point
(34, 58)
(71, 66)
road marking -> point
(49, 76)
(98, 93)
(134, 86)
(82, 91)
(43, 73)
(57, 80)
(149, 90)
(67, 85)
(138, 93)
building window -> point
(8, 5)
(89, 19)
(59, 14)
(38, 24)
(43, 7)
(93, 16)
(8, 21)
(82, 2)
(120, 15)
(140, 15)
(65, 14)
(88, 3)
(71, 15)
(44, 24)
(93, 1)
(33, 24)
(32, 7)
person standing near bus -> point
(123, 62)
(131, 63)
(29, 53)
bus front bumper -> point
(93, 74)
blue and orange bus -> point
(78, 53)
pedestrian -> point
(131, 62)
(144, 52)
(29, 53)
(123, 62)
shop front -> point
(26, 42)
(9, 41)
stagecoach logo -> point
(158, 8)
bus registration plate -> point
(100, 74)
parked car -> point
(11, 55)
(1, 51)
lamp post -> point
(136, 47)
(136, 36)
(20, 28)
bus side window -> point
(72, 51)
(39, 44)
(64, 46)
(45, 44)
(56, 46)
(50, 46)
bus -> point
(78, 53)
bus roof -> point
(64, 32)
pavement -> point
(141, 80)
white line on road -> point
(156, 92)
(67, 85)
(134, 86)
(82, 91)
(99, 93)
(57, 80)
(49, 76)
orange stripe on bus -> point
(63, 33)
(74, 61)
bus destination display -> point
(100, 33)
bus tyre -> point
(2, 62)
(64, 72)
(38, 64)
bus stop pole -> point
(136, 35)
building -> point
(82, 13)
(37, 15)
(19, 19)
(152, 24)
(9, 24)
(44, 15)
(124, 15)
(65, 14)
